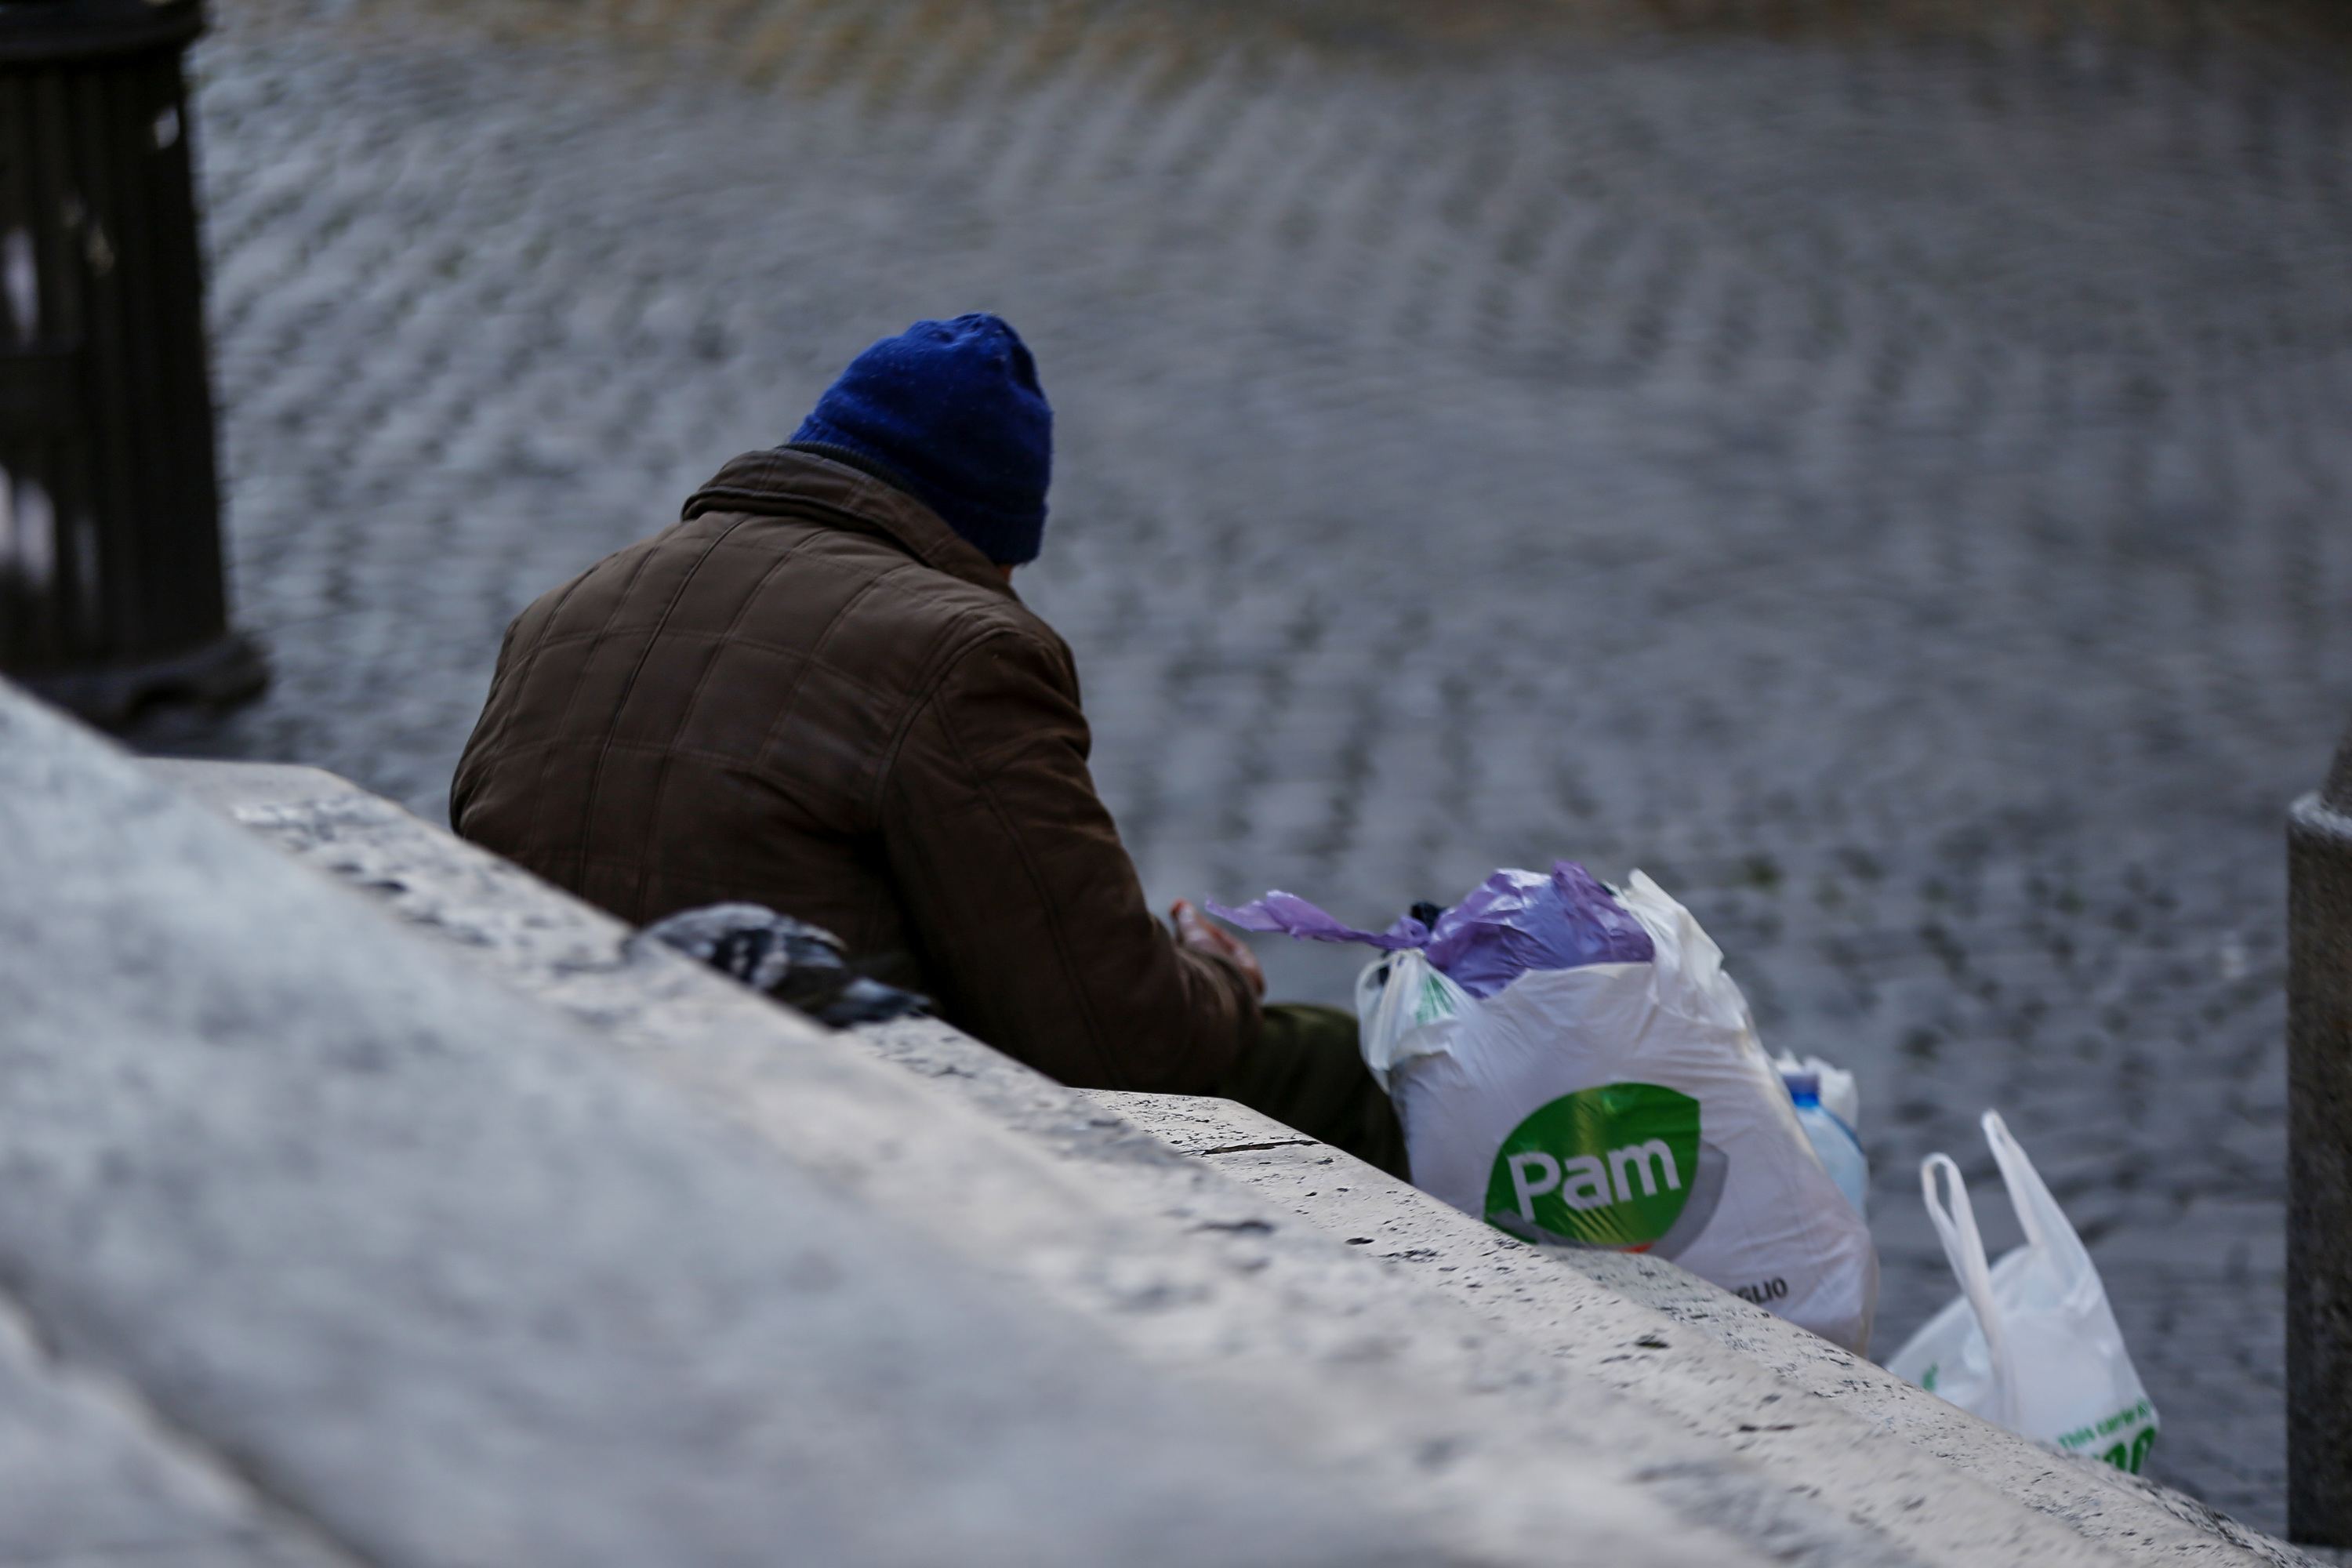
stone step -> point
(1493, 1398)
(427, 1272)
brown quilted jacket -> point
(812, 694)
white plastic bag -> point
(1622, 1105)
(1406, 1007)
(2030, 1342)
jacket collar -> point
(779, 482)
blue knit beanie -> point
(955, 407)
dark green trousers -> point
(1306, 1071)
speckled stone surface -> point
(1547, 1297)
(91, 1474)
(420, 1270)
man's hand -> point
(1194, 930)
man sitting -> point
(819, 692)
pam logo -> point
(1612, 1166)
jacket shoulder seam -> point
(950, 659)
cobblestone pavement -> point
(1895, 492)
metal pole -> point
(2319, 1161)
(112, 587)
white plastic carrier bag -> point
(1606, 1090)
(2030, 1342)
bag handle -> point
(1964, 1249)
(2047, 1229)
(1406, 1012)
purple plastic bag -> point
(1511, 922)
(1288, 913)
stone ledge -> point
(442, 1278)
(1545, 1295)
(89, 1474)
(1465, 1385)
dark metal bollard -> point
(111, 593)
(2319, 1162)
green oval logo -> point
(1611, 1166)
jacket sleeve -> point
(1027, 911)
